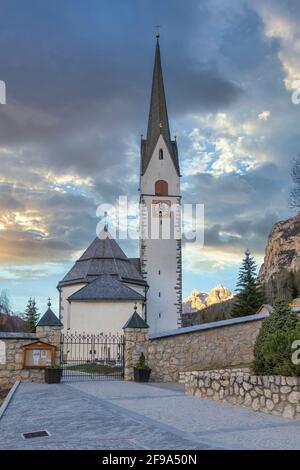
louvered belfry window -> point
(161, 188)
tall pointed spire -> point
(158, 116)
(158, 123)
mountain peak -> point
(198, 300)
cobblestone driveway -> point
(125, 415)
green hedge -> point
(273, 348)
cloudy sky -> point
(78, 77)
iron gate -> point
(86, 357)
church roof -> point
(103, 256)
(106, 287)
(136, 262)
(49, 319)
(158, 122)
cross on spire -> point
(158, 115)
(106, 221)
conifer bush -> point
(250, 295)
(31, 315)
(273, 348)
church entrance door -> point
(92, 357)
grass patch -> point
(93, 368)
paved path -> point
(125, 415)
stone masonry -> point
(12, 370)
(214, 345)
(11, 357)
(277, 395)
(136, 341)
(52, 335)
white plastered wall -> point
(160, 256)
(101, 316)
(65, 293)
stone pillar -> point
(52, 335)
(48, 330)
(135, 343)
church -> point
(104, 286)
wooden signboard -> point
(39, 355)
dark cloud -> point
(235, 217)
(241, 234)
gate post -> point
(135, 343)
(48, 329)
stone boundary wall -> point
(11, 355)
(277, 395)
(12, 370)
(221, 344)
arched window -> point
(161, 188)
(161, 154)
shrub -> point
(273, 346)
(142, 362)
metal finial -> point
(106, 221)
(157, 34)
(49, 302)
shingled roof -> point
(49, 319)
(106, 287)
(103, 256)
(135, 321)
(158, 122)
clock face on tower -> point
(161, 208)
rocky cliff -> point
(280, 271)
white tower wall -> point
(161, 258)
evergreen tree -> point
(274, 344)
(250, 293)
(5, 302)
(31, 315)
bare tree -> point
(5, 306)
(294, 199)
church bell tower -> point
(160, 226)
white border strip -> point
(8, 398)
